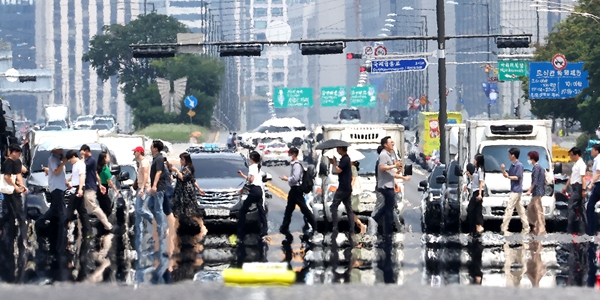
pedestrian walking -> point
(343, 192)
(577, 181)
(57, 213)
(387, 172)
(476, 185)
(91, 187)
(105, 181)
(296, 196)
(141, 213)
(356, 191)
(230, 141)
(255, 196)
(535, 211)
(515, 175)
(158, 182)
(591, 215)
(13, 210)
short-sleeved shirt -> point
(253, 171)
(516, 169)
(345, 177)
(91, 181)
(596, 167)
(538, 180)
(78, 168)
(140, 177)
(11, 167)
(105, 175)
(56, 182)
(354, 171)
(385, 179)
(476, 179)
(158, 164)
(230, 140)
(578, 171)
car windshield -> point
(57, 123)
(437, 171)
(349, 114)
(52, 128)
(369, 163)
(399, 113)
(264, 129)
(269, 140)
(498, 154)
(299, 128)
(40, 159)
(276, 145)
(84, 119)
(209, 167)
(107, 122)
(100, 127)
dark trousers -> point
(296, 197)
(78, 204)
(475, 212)
(13, 210)
(387, 211)
(342, 197)
(104, 201)
(57, 214)
(255, 195)
(590, 212)
(576, 213)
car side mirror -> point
(319, 137)
(422, 185)
(440, 179)
(115, 170)
(558, 168)
(457, 171)
(408, 170)
(123, 176)
(323, 169)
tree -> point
(110, 55)
(575, 38)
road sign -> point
(380, 51)
(293, 97)
(559, 62)
(334, 96)
(368, 50)
(545, 82)
(511, 70)
(363, 96)
(190, 102)
(191, 113)
(398, 65)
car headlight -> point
(549, 190)
(36, 189)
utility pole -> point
(441, 39)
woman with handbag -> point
(476, 174)
(355, 198)
(255, 195)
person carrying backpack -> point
(300, 183)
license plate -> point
(216, 212)
(277, 153)
(368, 207)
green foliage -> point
(175, 133)
(576, 38)
(110, 55)
(582, 141)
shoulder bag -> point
(6, 188)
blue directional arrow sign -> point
(398, 65)
(191, 102)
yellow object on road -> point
(260, 274)
(560, 154)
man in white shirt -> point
(76, 186)
(578, 193)
(592, 218)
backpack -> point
(308, 176)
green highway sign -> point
(334, 96)
(363, 96)
(511, 70)
(292, 97)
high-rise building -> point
(63, 31)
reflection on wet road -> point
(408, 257)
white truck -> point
(57, 115)
(365, 138)
(493, 139)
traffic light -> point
(154, 51)
(240, 50)
(513, 42)
(322, 48)
(365, 68)
(27, 78)
(353, 56)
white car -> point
(291, 130)
(264, 142)
(276, 153)
(84, 122)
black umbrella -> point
(330, 144)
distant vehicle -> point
(103, 129)
(58, 123)
(262, 143)
(348, 116)
(52, 128)
(84, 122)
(432, 202)
(276, 153)
(289, 129)
(57, 115)
(398, 117)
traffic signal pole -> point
(443, 111)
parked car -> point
(432, 201)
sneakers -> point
(372, 228)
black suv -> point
(432, 202)
(216, 174)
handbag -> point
(6, 188)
